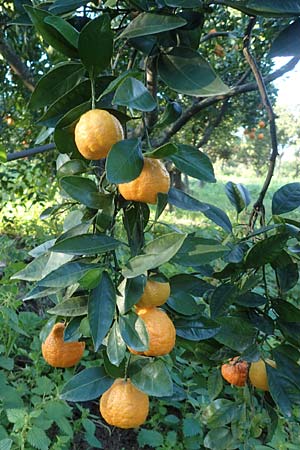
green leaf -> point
(86, 385)
(72, 167)
(118, 80)
(251, 300)
(156, 253)
(172, 112)
(238, 195)
(235, 333)
(125, 161)
(86, 244)
(42, 266)
(162, 152)
(185, 71)
(193, 162)
(148, 23)
(196, 330)
(197, 251)
(267, 8)
(6, 363)
(214, 384)
(133, 331)
(111, 369)
(218, 438)
(101, 309)
(3, 156)
(64, 6)
(55, 83)
(72, 307)
(287, 43)
(133, 94)
(5, 444)
(153, 378)
(150, 438)
(279, 385)
(134, 288)
(191, 427)
(59, 39)
(96, 45)
(184, 304)
(223, 296)
(116, 347)
(266, 251)
(38, 438)
(67, 274)
(69, 33)
(286, 198)
(85, 191)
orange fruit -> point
(235, 372)
(219, 50)
(213, 30)
(161, 332)
(154, 178)
(155, 294)
(258, 373)
(260, 136)
(96, 132)
(123, 405)
(261, 124)
(251, 135)
(59, 353)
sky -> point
(288, 85)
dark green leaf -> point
(72, 330)
(238, 195)
(134, 289)
(65, 29)
(286, 310)
(67, 274)
(286, 198)
(251, 300)
(72, 307)
(162, 201)
(266, 251)
(101, 309)
(133, 94)
(150, 438)
(171, 113)
(185, 71)
(162, 152)
(214, 384)
(148, 23)
(267, 8)
(85, 191)
(235, 333)
(196, 251)
(65, 6)
(96, 45)
(125, 161)
(193, 162)
(72, 167)
(112, 370)
(55, 83)
(288, 41)
(134, 332)
(279, 384)
(153, 378)
(287, 276)
(116, 347)
(87, 385)
(184, 304)
(196, 330)
(223, 296)
(86, 244)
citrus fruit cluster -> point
(236, 372)
(251, 134)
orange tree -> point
(136, 63)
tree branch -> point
(258, 206)
(202, 103)
(30, 152)
(15, 63)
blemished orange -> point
(123, 405)
(260, 136)
(59, 353)
(96, 132)
(235, 372)
(161, 332)
(154, 178)
(156, 293)
(258, 373)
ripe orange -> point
(252, 135)
(261, 124)
(123, 405)
(58, 353)
(96, 132)
(161, 332)
(154, 178)
(235, 372)
(258, 373)
(155, 294)
(260, 136)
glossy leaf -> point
(101, 309)
(64, 28)
(162, 152)
(72, 307)
(193, 162)
(133, 94)
(86, 244)
(235, 333)
(133, 290)
(267, 8)
(72, 167)
(86, 385)
(96, 45)
(56, 83)
(153, 378)
(221, 299)
(134, 332)
(148, 23)
(197, 251)
(85, 191)
(196, 330)
(287, 43)
(64, 6)
(156, 253)
(266, 251)
(238, 195)
(184, 304)
(67, 274)
(286, 198)
(172, 112)
(116, 347)
(251, 300)
(125, 161)
(41, 266)
(185, 71)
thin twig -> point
(258, 205)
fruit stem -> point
(93, 91)
(126, 367)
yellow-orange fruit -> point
(154, 178)
(261, 124)
(235, 372)
(123, 405)
(155, 293)
(258, 373)
(58, 353)
(161, 332)
(96, 132)
(260, 136)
